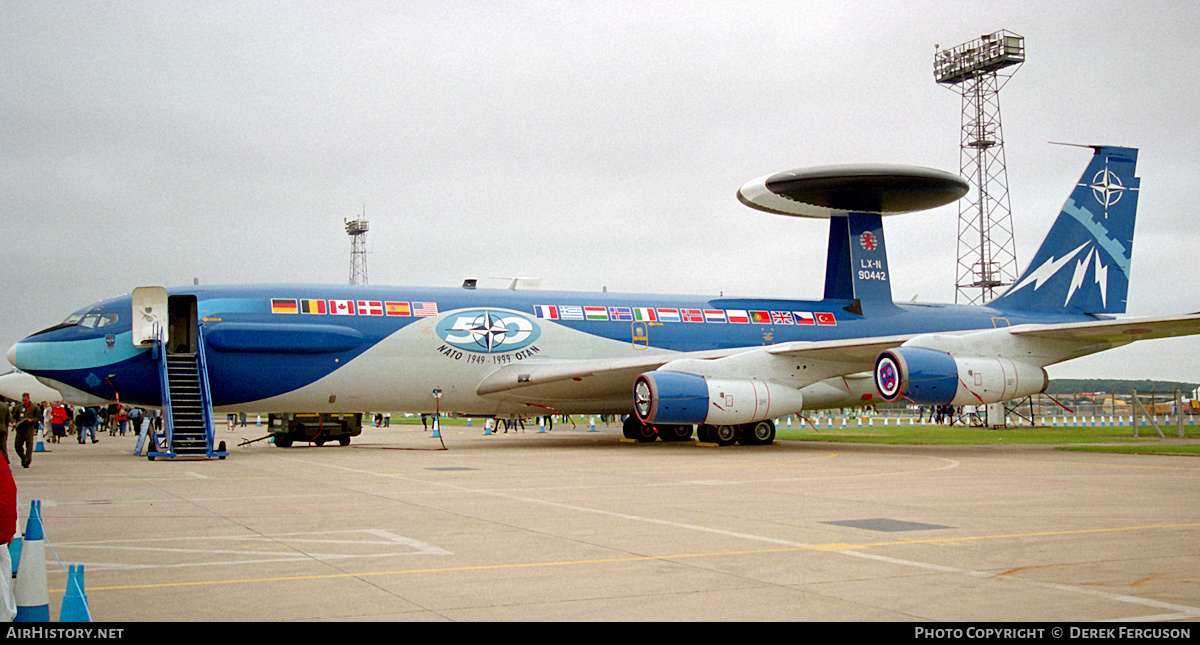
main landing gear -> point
(760, 433)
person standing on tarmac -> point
(28, 416)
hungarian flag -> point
(595, 313)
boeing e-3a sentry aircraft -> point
(726, 366)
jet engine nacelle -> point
(681, 398)
(932, 377)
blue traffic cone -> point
(33, 602)
(74, 605)
(14, 552)
(39, 447)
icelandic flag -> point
(620, 313)
(692, 315)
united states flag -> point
(424, 309)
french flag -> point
(546, 311)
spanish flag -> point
(398, 309)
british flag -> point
(782, 318)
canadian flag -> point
(341, 307)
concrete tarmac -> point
(572, 525)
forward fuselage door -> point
(149, 317)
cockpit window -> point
(91, 321)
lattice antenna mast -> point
(357, 230)
(987, 256)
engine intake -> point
(666, 397)
(932, 377)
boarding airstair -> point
(187, 428)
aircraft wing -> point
(1118, 331)
(612, 379)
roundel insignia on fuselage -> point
(488, 331)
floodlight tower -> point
(987, 256)
(357, 230)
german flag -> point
(284, 306)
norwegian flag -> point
(782, 318)
(826, 318)
(370, 307)
(692, 315)
(424, 309)
(341, 307)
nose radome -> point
(12, 354)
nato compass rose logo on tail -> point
(485, 331)
(1107, 189)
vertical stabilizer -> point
(1082, 266)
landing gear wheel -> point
(344, 440)
(675, 433)
(759, 434)
(725, 435)
(704, 433)
(635, 429)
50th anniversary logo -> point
(488, 336)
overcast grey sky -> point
(592, 144)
